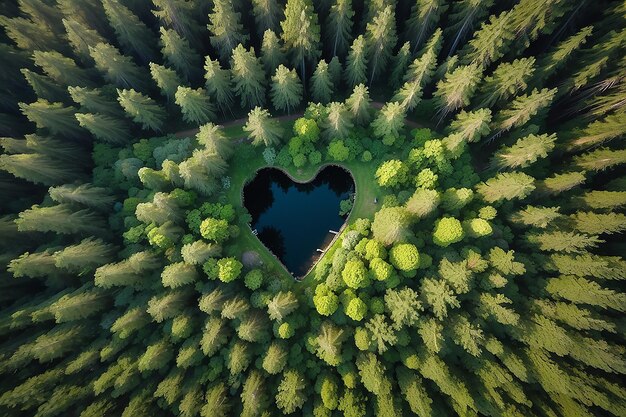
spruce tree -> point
(321, 83)
(142, 109)
(116, 68)
(178, 53)
(132, 33)
(339, 26)
(267, 14)
(225, 28)
(248, 77)
(356, 63)
(424, 16)
(262, 128)
(103, 127)
(166, 79)
(286, 92)
(218, 84)
(301, 33)
(359, 104)
(380, 38)
(195, 105)
(272, 53)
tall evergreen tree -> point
(218, 83)
(142, 109)
(301, 33)
(166, 79)
(116, 68)
(424, 16)
(272, 53)
(339, 26)
(286, 90)
(262, 128)
(225, 28)
(132, 33)
(178, 53)
(104, 127)
(195, 105)
(321, 83)
(267, 15)
(356, 63)
(248, 77)
(380, 38)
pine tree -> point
(424, 16)
(456, 89)
(142, 109)
(463, 17)
(104, 127)
(248, 77)
(338, 122)
(401, 63)
(97, 100)
(558, 241)
(281, 305)
(117, 68)
(525, 152)
(359, 104)
(409, 95)
(177, 14)
(301, 33)
(286, 92)
(85, 256)
(356, 63)
(225, 28)
(600, 159)
(581, 291)
(559, 183)
(272, 53)
(217, 401)
(61, 69)
(55, 117)
(339, 26)
(178, 53)
(380, 38)
(178, 274)
(166, 79)
(214, 140)
(560, 55)
(472, 125)
(490, 42)
(414, 392)
(506, 186)
(28, 35)
(599, 132)
(390, 120)
(262, 128)
(132, 33)
(218, 83)
(321, 84)
(523, 108)
(596, 223)
(603, 199)
(508, 79)
(195, 105)
(80, 37)
(267, 14)
(85, 194)
(60, 219)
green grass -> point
(248, 159)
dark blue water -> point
(293, 220)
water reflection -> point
(292, 219)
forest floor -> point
(245, 164)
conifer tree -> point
(214, 140)
(291, 394)
(103, 127)
(463, 17)
(356, 63)
(301, 33)
(272, 54)
(506, 186)
(81, 37)
(380, 38)
(523, 108)
(456, 90)
(60, 219)
(131, 32)
(142, 109)
(195, 105)
(472, 125)
(97, 100)
(262, 128)
(286, 92)
(359, 104)
(248, 77)
(44, 87)
(490, 42)
(508, 79)
(166, 79)
(178, 53)
(338, 122)
(321, 83)
(339, 26)
(390, 120)
(560, 55)
(55, 117)
(424, 16)
(218, 83)
(524, 152)
(117, 68)
(401, 62)
(600, 159)
(85, 194)
(61, 69)
(225, 28)
(177, 14)
(267, 14)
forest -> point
(479, 270)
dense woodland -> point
(488, 282)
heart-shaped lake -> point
(293, 219)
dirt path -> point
(192, 132)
